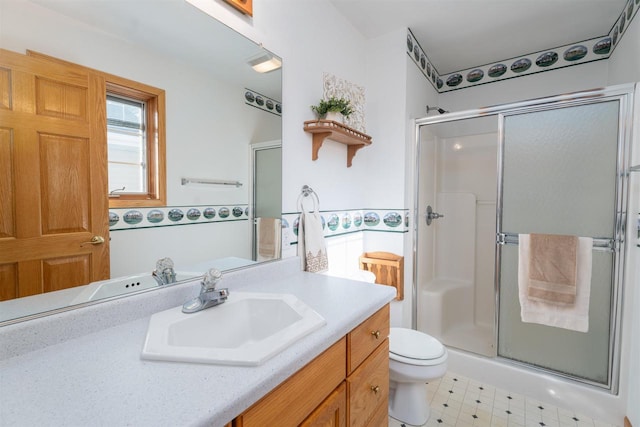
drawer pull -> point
(376, 334)
(375, 389)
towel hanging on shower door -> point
(573, 316)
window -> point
(135, 141)
(127, 145)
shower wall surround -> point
(580, 52)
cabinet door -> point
(296, 398)
(368, 387)
(332, 412)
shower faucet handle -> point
(431, 215)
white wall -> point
(624, 63)
(386, 102)
(186, 245)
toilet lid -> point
(414, 344)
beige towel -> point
(574, 317)
(269, 238)
(552, 268)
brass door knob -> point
(376, 334)
(95, 240)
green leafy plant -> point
(338, 105)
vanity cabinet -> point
(347, 385)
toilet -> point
(415, 358)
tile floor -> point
(457, 401)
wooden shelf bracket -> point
(323, 129)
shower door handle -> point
(431, 215)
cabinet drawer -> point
(307, 388)
(368, 388)
(366, 337)
(332, 412)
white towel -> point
(574, 317)
(269, 233)
(312, 249)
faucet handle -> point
(164, 264)
(210, 279)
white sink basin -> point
(247, 329)
(122, 285)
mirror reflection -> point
(222, 124)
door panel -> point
(64, 272)
(7, 194)
(560, 176)
(9, 280)
(54, 176)
(62, 100)
(64, 162)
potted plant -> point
(333, 109)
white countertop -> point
(98, 378)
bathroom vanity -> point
(83, 367)
(348, 384)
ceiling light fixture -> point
(265, 62)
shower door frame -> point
(622, 93)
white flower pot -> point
(335, 116)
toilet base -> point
(408, 403)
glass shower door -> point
(560, 175)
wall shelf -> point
(322, 129)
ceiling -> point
(461, 34)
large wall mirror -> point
(223, 125)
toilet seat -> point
(415, 348)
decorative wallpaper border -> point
(257, 100)
(132, 218)
(335, 223)
(595, 49)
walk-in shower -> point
(556, 165)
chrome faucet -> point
(209, 295)
(164, 273)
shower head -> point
(436, 108)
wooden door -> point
(53, 176)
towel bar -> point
(186, 181)
(599, 243)
(308, 192)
